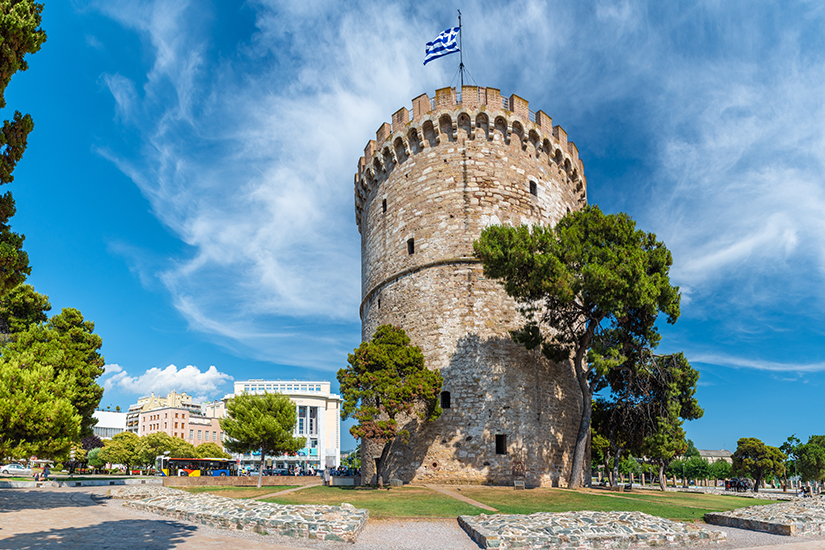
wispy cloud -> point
(248, 159)
(759, 364)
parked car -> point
(276, 472)
(15, 470)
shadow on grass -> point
(122, 534)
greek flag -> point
(443, 45)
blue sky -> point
(188, 184)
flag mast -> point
(460, 50)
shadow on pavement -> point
(15, 500)
(125, 534)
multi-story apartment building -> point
(152, 402)
(318, 412)
(175, 415)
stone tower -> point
(425, 188)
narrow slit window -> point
(410, 246)
(501, 444)
(445, 400)
(534, 189)
(384, 205)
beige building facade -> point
(318, 413)
(152, 402)
(425, 188)
(184, 423)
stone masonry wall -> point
(424, 191)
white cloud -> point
(758, 364)
(189, 379)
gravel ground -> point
(743, 538)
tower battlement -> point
(474, 113)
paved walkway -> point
(458, 496)
(287, 491)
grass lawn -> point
(396, 502)
(238, 492)
(675, 506)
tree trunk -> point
(261, 470)
(756, 483)
(587, 410)
(662, 478)
(616, 459)
(379, 469)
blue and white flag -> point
(445, 44)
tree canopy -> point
(66, 343)
(121, 449)
(261, 423)
(586, 288)
(755, 459)
(386, 380)
(811, 459)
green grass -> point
(238, 492)
(396, 502)
(675, 506)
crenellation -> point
(520, 107)
(383, 133)
(400, 119)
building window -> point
(214, 435)
(410, 246)
(445, 400)
(534, 189)
(199, 434)
(384, 205)
(501, 444)
(176, 434)
(192, 434)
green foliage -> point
(149, 447)
(720, 470)
(121, 449)
(385, 381)
(66, 343)
(353, 459)
(93, 458)
(586, 288)
(791, 448)
(697, 467)
(754, 459)
(21, 308)
(691, 450)
(261, 422)
(629, 466)
(811, 459)
(36, 411)
(210, 450)
(20, 34)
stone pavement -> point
(799, 517)
(307, 521)
(458, 496)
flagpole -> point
(460, 51)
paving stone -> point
(331, 523)
(800, 516)
(584, 530)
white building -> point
(319, 421)
(109, 424)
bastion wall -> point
(425, 188)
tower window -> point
(534, 189)
(384, 205)
(410, 246)
(501, 444)
(445, 400)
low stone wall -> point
(799, 517)
(584, 530)
(334, 523)
(239, 481)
